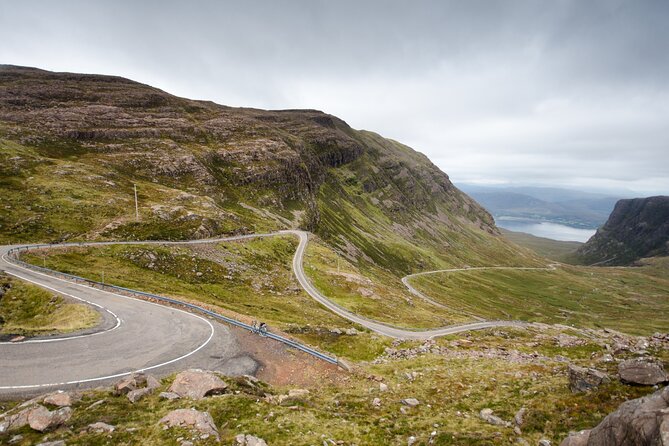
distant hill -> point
(568, 207)
(546, 247)
(637, 228)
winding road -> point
(137, 335)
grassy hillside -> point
(622, 299)
(72, 147)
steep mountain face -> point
(636, 228)
(73, 146)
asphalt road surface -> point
(134, 335)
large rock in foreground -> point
(644, 372)
(640, 422)
(197, 384)
(191, 419)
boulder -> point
(487, 416)
(383, 387)
(638, 422)
(101, 427)
(191, 419)
(249, 440)
(59, 398)
(42, 419)
(646, 372)
(582, 379)
(197, 384)
(52, 443)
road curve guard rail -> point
(12, 255)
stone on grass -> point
(138, 394)
(383, 387)
(519, 418)
(487, 416)
(411, 402)
(646, 372)
(191, 419)
(59, 398)
(125, 385)
(42, 419)
(101, 427)
(52, 443)
(197, 384)
(249, 440)
(582, 379)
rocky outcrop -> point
(639, 422)
(642, 371)
(582, 379)
(191, 419)
(636, 228)
(197, 384)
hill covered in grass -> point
(73, 146)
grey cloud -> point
(564, 92)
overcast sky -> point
(525, 92)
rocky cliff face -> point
(72, 146)
(636, 228)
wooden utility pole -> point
(136, 205)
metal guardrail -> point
(11, 254)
